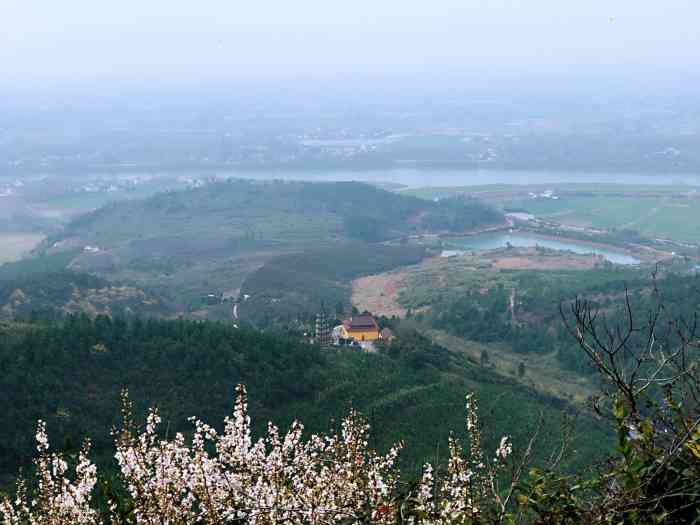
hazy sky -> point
(77, 40)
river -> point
(417, 178)
(414, 178)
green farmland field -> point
(654, 211)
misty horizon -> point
(160, 44)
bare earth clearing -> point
(379, 293)
(14, 245)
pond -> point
(492, 241)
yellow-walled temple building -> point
(361, 328)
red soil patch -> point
(379, 293)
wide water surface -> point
(492, 241)
(415, 178)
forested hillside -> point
(53, 295)
(292, 288)
(521, 308)
(71, 374)
(278, 211)
(210, 239)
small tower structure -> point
(323, 330)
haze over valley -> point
(349, 217)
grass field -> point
(509, 190)
(667, 217)
(14, 245)
(543, 372)
(671, 212)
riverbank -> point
(519, 238)
(647, 253)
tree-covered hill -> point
(209, 239)
(71, 375)
(277, 211)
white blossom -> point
(280, 478)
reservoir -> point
(496, 240)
